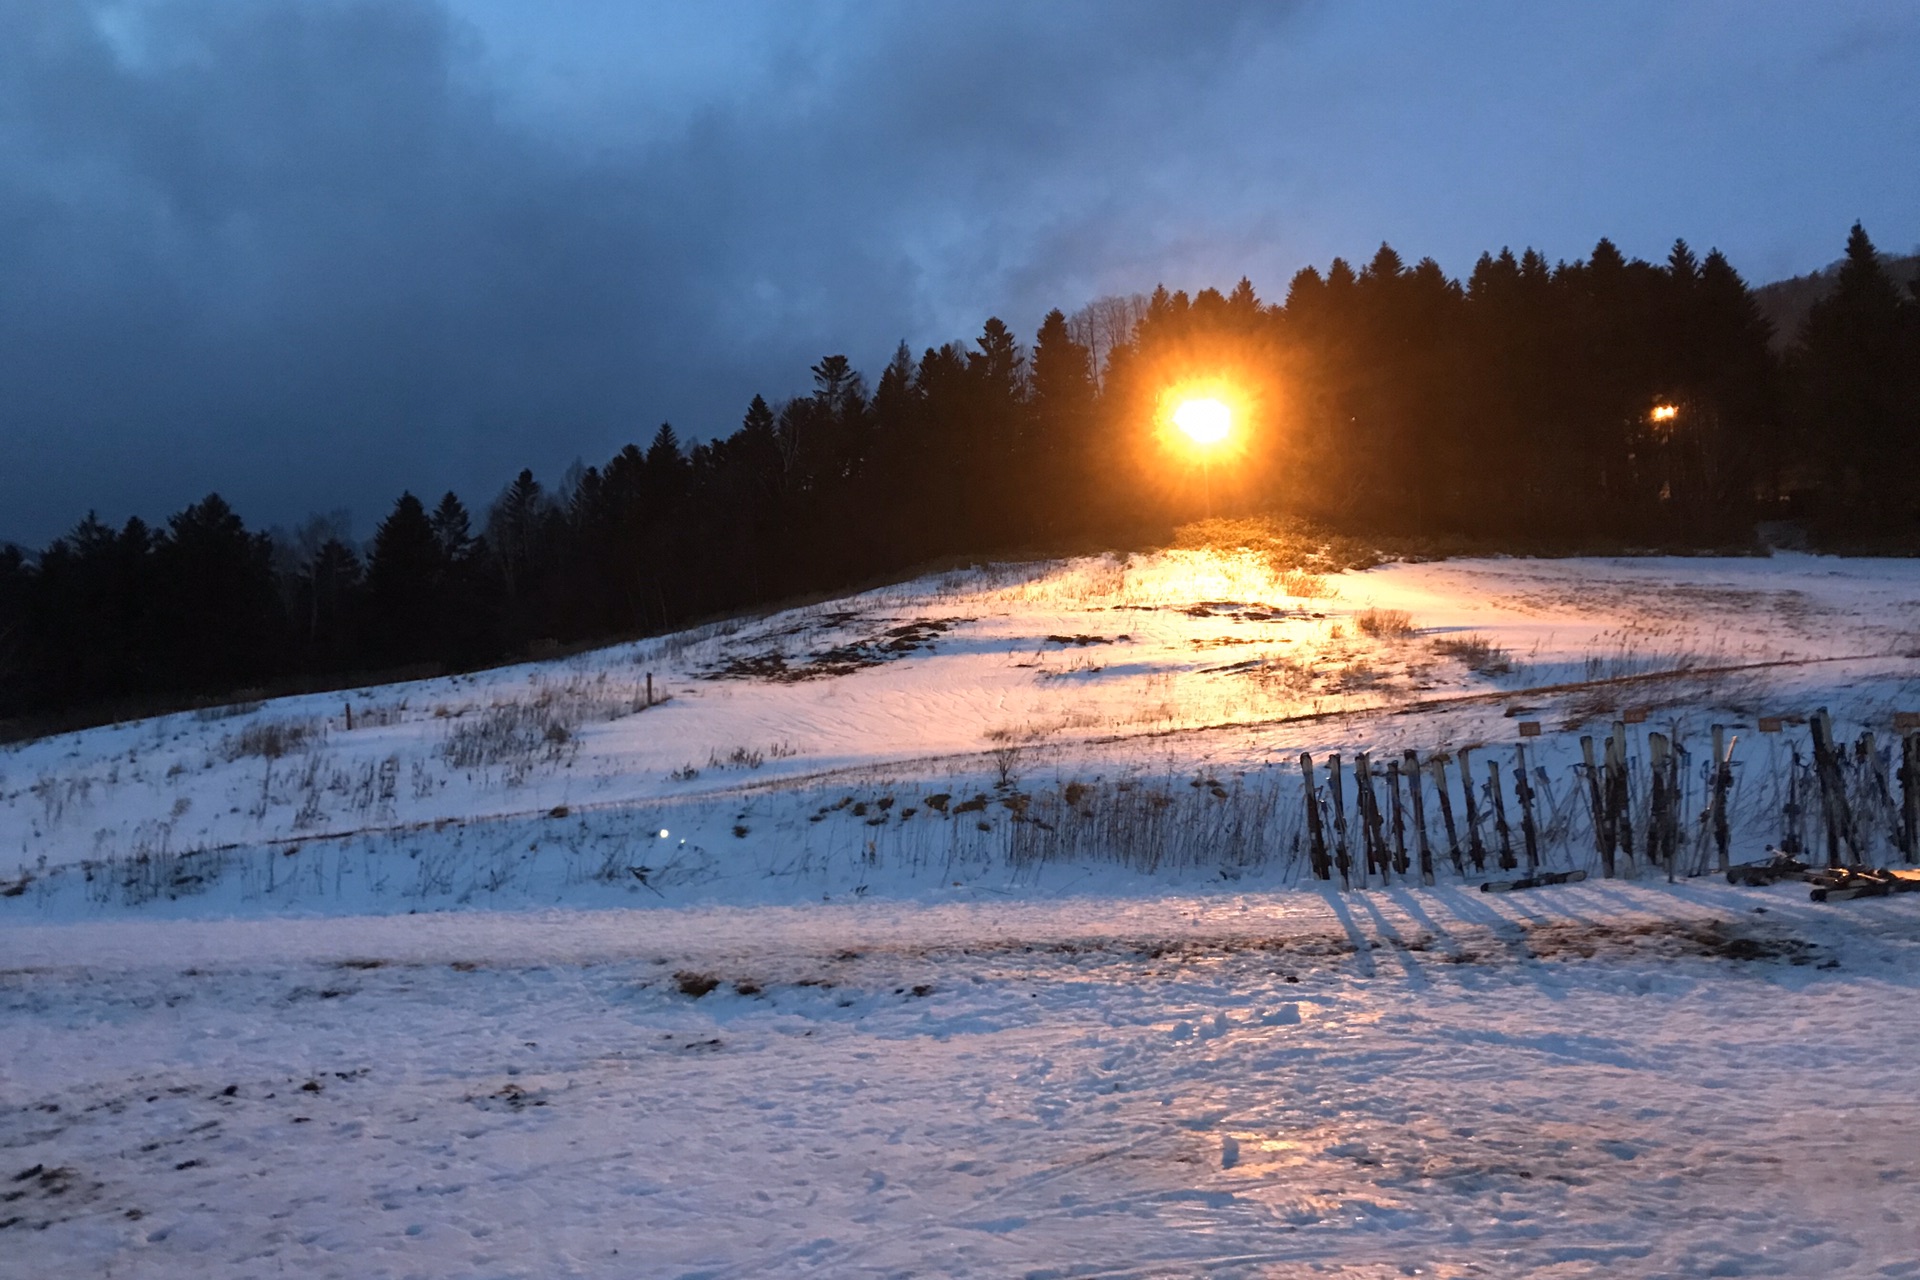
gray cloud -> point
(308, 252)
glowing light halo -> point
(1665, 412)
(1205, 420)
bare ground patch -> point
(887, 645)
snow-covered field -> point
(962, 928)
(793, 756)
(1601, 1079)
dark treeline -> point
(1602, 402)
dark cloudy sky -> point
(310, 252)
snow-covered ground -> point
(962, 928)
(1601, 1079)
(793, 756)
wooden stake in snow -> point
(1414, 793)
(649, 688)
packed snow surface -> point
(963, 928)
(1593, 1080)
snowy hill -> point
(1071, 1006)
(1091, 718)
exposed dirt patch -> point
(873, 650)
(694, 985)
(38, 1197)
(1729, 940)
(1719, 939)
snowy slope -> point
(1069, 1006)
(551, 782)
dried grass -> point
(272, 739)
(1479, 654)
(1385, 624)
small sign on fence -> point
(1906, 719)
(1634, 715)
(1769, 724)
(1529, 728)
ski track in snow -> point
(625, 1036)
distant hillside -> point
(1786, 302)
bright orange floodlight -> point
(1205, 421)
(1665, 412)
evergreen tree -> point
(1857, 406)
(406, 583)
(219, 614)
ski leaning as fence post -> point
(1475, 845)
(1343, 858)
(1597, 808)
(1834, 806)
(1722, 784)
(1523, 792)
(1446, 815)
(1414, 792)
(1507, 861)
(1619, 792)
(1659, 850)
(1369, 814)
(1400, 863)
(1316, 832)
(1910, 796)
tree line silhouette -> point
(1604, 402)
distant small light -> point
(1665, 412)
(664, 833)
